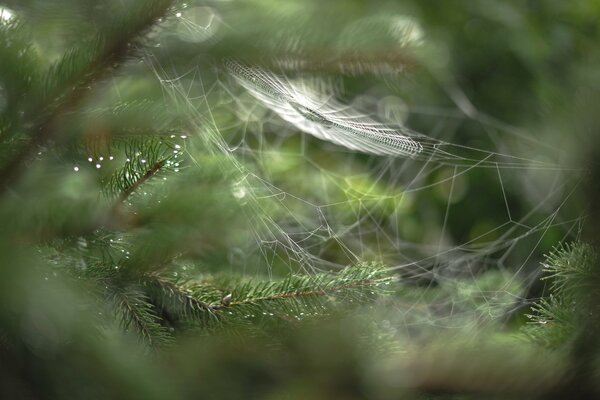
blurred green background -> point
(511, 84)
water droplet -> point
(75, 169)
(90, 159)
(101, 158)
(143, 161)
(177, 146)
(239, 192)
(98, 166)
(111, 158)
(178, 15)
(199, 24)
(6, 14)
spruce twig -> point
(178, 293)
(360, 284)
(154, 168)
(137, 313)
(297, 294)
(113, 53)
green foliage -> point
(143, 159)
(556, 319)
(569, 268)
(298, 297)
(135, 312)
(19, 70)
(155, 304)
(125, 212)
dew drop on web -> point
(197, 24)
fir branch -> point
(555, 320)
(174, 299)
(552, 322)
(297, 296)
(113, 48)
(145, 158)
(137, 313)
(150, 172)
(569, 267)
(330, 289)
(180, 303)
(18, 72)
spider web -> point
(329, 178)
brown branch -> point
(147, 175)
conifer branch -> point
(113, 50)
(360, 284)
(138, 314)
(185, 303)
(555, 320)
(297, 295)
(154, 168)
(569, 267)
(145, 158)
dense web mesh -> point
(329, 178)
